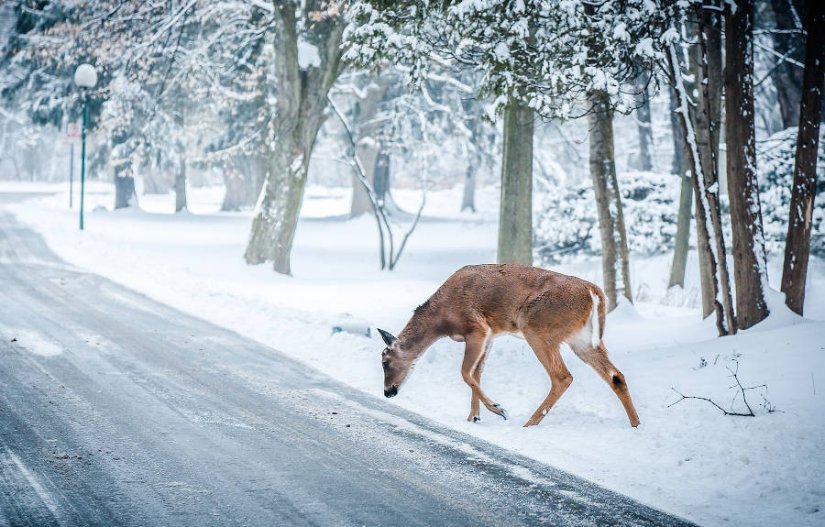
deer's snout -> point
(392, 391)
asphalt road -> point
(118, 410)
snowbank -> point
(688, 459)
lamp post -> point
(85, 77)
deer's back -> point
(510, 298)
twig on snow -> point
(740, 390)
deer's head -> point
(396, 366)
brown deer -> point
(479, 302)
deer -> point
(479, 302)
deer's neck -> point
(423, 329)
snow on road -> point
(687, 459)
(33, 342)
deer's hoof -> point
(501, 411)
(476, 418)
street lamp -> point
(85, 77)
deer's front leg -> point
(475, 353)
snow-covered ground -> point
(688, 459)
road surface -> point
(118, 410)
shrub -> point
(568, 222)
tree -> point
(705, 59)
(708, 216)
(645, 158)
(682, 171)
(515, 229)
(389, 255)
(615, 265)
(242, 150)
(803, 190)
(122, 159)
(474, 155)
(789, 48)
(307, 63)
(131, 105)
(750, 265)
(32, 80)
(480, 145)
(367, 126)
(546, 58)
(706, 67)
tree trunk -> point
(787, 77)
(180, 185)
(239, 177)
(681, 245)
(381, 176)
(803, 190)
(180, 174)
(515, 227)
(302, 98)
(750, 268)
(235, 191)
(706, 67)
(260, 166)
(468, 199)
(678, 164)
(367, 129)
(361, 204)
(275, 222)
(615, 265)
(708, 218)
(382, 183)
(645, 160)
(154, 180)
(476, 151)
(125, 195)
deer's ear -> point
(387, 336)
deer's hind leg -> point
(596, 357)
(549, 355)
(475, 353)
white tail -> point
(481, 301)
(596, 337)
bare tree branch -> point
(740, 390)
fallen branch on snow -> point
(740, 390)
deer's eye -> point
(385, 364)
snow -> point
(44, 495)
(501, 52)
(32, 342)
(687, 459)
(308, 55)
(568, 224)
